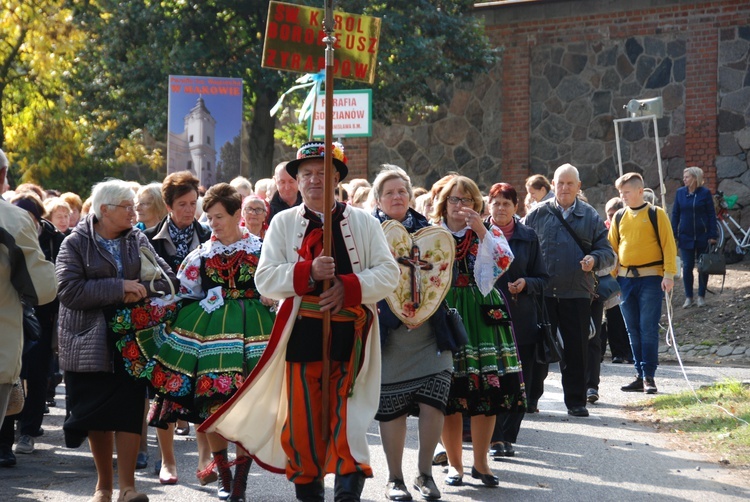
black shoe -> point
(348, 487)
(578, 411)
(487, 479)
(396, 490)
(532, 407)
(502, 449)
(617, 360)
(7, 458)
(311, 492)
(649, 386)
(141, 461)
(51, 403)
(634, 386)
(592, 395)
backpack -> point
(654, 222)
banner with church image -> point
(205, 127)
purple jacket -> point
(87, 279)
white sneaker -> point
(25, 444)
(701, 301)
(688, 303)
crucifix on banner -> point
(415, 264)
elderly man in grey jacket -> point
(574, 244)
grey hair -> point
(390, 172)
(566, 168)
(113, 192)
(3, 159)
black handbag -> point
(549, 349)
(713, 262)
(449, 329)
(32, 330)
(495, 315)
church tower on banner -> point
(194, 149)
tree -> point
(134, 45)
(37, 47)
(230, 158)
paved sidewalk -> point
(605, 457)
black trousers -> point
(594, 359)
(507, 425)
(572, 317)
(616, 334)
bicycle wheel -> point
(721, 239)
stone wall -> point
(578, 89)
(462, 135)
(732, 163)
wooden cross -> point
(415, 264)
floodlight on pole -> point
(640, 110)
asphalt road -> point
(605, 457)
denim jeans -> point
(689, 257)
(641, 309)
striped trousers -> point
(310, 458)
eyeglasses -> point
(465, 201)
(255, 210)
(130, 209)
(142, 204)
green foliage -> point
(79, 79)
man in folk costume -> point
(277, 414)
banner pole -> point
(328, 202)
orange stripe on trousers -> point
(309, 458)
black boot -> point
(311, 492)
(239, 483)
(348, 487)
(225, 474)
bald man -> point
(287, 194)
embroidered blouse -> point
(213, 272)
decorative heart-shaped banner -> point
(426, 262)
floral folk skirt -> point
(487, 377)
(201, 359)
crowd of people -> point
(173, 305)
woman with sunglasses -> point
(486, 372)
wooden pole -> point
(328, 202)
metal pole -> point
(658, 161)
(328, 202)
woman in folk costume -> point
(486, 372)
(202, 359)
(278, 414)
(416, 372)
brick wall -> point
(517, 28)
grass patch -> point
(706, 424)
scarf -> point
(181, 238)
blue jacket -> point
(529, 265)
(561, 253)
(694, 218)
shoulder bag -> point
(449, 329)
(550, 348)
(151, 271)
